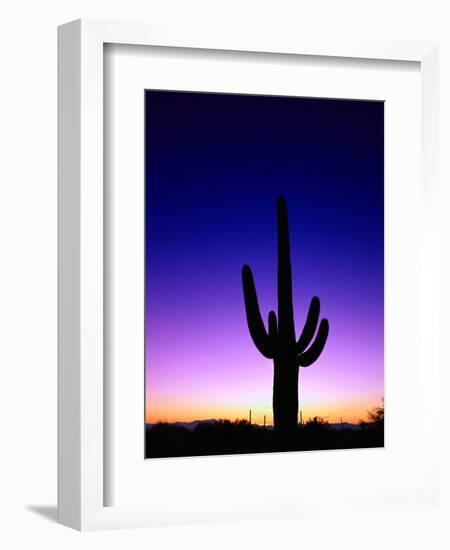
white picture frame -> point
(82, 483)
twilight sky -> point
(215, 165)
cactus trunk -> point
(279, 341)
(285, 395)
(286, 326)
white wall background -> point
(28, 270)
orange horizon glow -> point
(333, 412)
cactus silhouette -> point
(279, 341)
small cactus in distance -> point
(279, 341)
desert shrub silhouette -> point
(233, 437)
(279, 341)
(375, 418)
(316, 424)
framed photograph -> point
(247, 251)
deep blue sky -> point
(215, 164)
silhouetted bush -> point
(316, 424)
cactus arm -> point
(312, 353)
(286, 327)
(254, 320)
(310, 327)
(272, 326)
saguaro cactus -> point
(279, 341)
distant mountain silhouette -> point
(189, 425)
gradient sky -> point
(215, 165)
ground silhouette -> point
(279, 342)
(225, 437)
